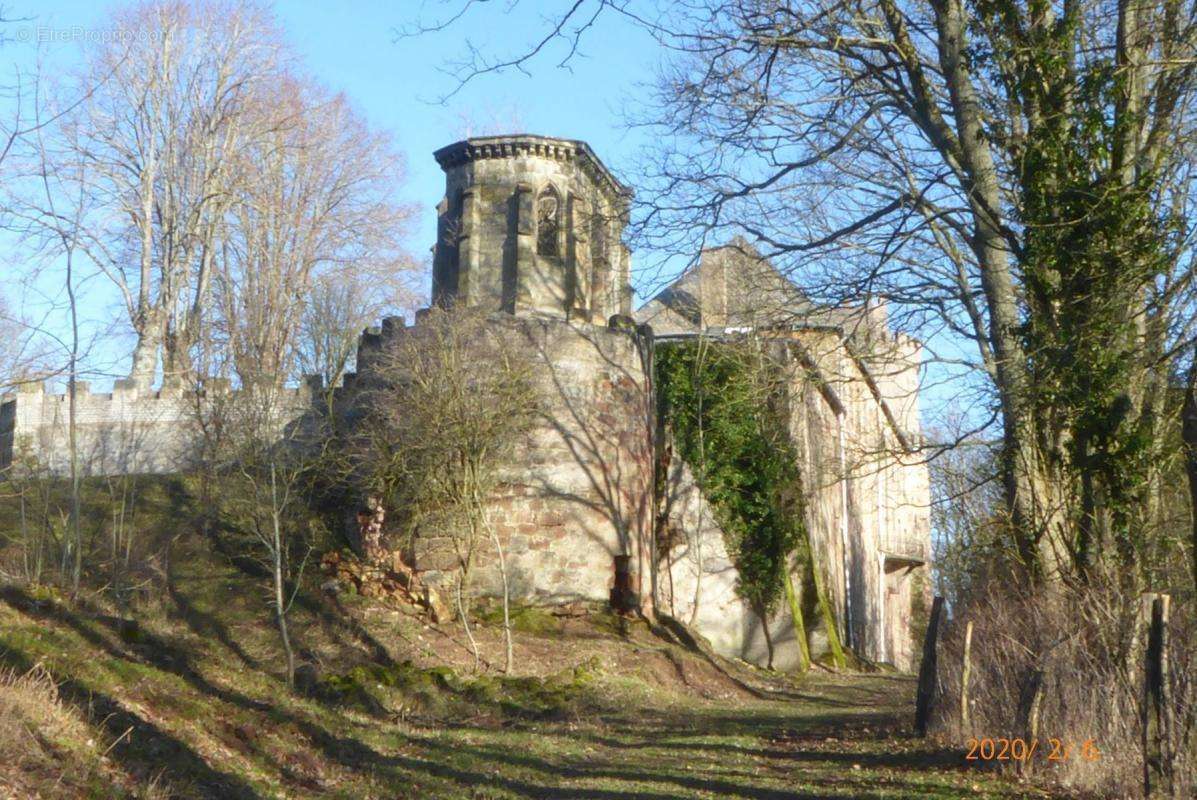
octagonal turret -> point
(531, 225)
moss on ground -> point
(524, 618)
(194, 705)
(404, 688)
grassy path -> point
(200, 709)
(838, 738)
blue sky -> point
(395, 82)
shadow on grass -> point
(141, 746)
(202, 624)
(327, 613)
(146, 648)
(660, 745)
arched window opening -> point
(548, 222)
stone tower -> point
(533, 226)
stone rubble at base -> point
(530, 229)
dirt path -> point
(834, 738)
(198, 713)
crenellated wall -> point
(128, 430)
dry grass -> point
(47, 750)
(622, 722)
(44, 746)
(1089, 643)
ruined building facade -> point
(530, 229)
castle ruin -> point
(530, 229)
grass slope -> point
(190, 702)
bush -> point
(1089, 641)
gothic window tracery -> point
(548, 222)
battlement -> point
(131, 429)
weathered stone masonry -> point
(578, 492)
(853, 407)
(530, 230)
(531, 225)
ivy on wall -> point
(720, 399)
(723, 401)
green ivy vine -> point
(720, 400)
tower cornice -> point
(516, 145)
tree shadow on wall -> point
(594, 440)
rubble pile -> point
(387, 579)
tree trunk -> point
(965, 672)
(280, 603)
(764, 618)
(1189, 437)
(829, 625)
(1025, 481)
(799, 624)
(72, 418)
(494, 536)
(145, 352)
(465, 621)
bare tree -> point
(1014, 180)
(24, 356)
(264, 459)
(318, 208)
(155, 141)
(218, 184)
(51, 219)
(965, 519)
(454, 400)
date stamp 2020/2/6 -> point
(1019, 749)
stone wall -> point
(129, 430)
(578, 491)
(698, 577)
(867, 513)
(869, 498)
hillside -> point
(182, 695)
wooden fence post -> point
(1028, 714)
(1158, 778)
(965, 672)
(928, 670)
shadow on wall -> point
(579, 492)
